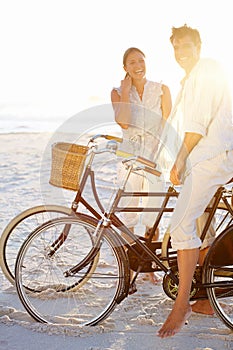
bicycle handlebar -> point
(115, 138)
(107, 137)
(137, 158)
(149, 166)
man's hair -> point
(180, 32)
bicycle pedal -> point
(132, 288)
(139, 260)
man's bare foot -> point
(175, 321)
(202, 307)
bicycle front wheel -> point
(218, 273)
(19, 228)
(86, 297)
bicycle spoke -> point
(19, 228)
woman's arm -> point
(166, 102)
(121, 104)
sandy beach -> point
(133, 325)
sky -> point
(61, 56)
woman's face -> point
(135, 65)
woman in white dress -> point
(141, 108)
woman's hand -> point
(126, 84)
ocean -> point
(26, 120)
(19, 125)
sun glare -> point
(62, 57)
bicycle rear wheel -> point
(40, 278)
(222, 220)
(19, 228)
(218, 271)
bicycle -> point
(25, 222)
(54, 280)
(21, 225)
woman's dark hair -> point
(128, 51)
(185, 30)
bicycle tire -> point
(17, 230)
(218, 268)
(44, 288)
(223, 218)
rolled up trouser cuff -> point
(184, 245)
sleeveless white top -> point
(142, 136)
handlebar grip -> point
(107, 137)
(153, 171)
(115, 138)
(146, 162)
(139, 159)
(124, 154)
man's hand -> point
(176, 175)
(178, 169)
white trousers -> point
(197, 191)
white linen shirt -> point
(205, 108)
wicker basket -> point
(68, 161)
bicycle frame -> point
(110, 219)
(89, 173)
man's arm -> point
(177, 171)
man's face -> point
(186, 52)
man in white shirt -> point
(204, 162)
